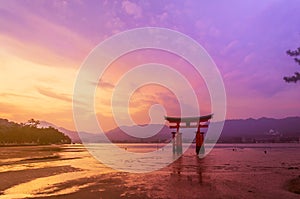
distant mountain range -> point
(234, 130)
(91, 137)
(289, 126)
(115, 135)
(261, 130)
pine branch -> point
(297, 60)
(293, 78)
(293, 52)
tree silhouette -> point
(32, 123)
(13, 133)
(296, 76)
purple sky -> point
(246, 39)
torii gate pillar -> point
(177, 140)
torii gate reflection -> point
(188, 122)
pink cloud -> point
(132, 9)
(49, 93)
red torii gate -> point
(189, 122)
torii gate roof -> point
(204, 118)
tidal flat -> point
(228, 171)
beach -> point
(228, 171)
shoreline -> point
(151, 143)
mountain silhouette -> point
(237, 128)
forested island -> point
(28, 133)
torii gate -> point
(190, 122)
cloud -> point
(60, 4)
(250, 57)
(230, 47)
(163, 16)
(132, 9)
(9, 110)
(47, 92)
(41, 40)
(105, 85)
(16, 95)
(115, 24)
(245, 39)
(20, 113)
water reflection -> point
(187, 167)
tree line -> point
(29, 133)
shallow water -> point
(228, 171)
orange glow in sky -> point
(44, 43)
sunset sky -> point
(44, 43)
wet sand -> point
(71, 172)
